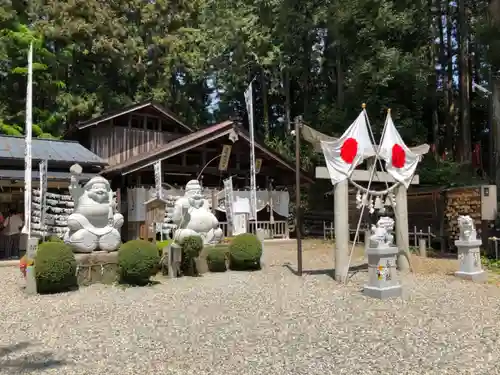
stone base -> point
(201, 261)
(30, 281)
(174, 258)
(383, 293)
(473, 276)
(99, 267)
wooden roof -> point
(132, 108)
(193, 140)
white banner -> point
(228, 202)
(27, 147)
(253, 185)
(43, 195)
(158, 180)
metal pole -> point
(298, 120)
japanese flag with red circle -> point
(344, 154)
(400, 161)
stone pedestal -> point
(98, 267)
(469, 259)
(174, 260)
(340, 215)
(31, 248)
(382, 276)
(261, 235)
(402, 235)
(30, 281)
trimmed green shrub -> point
(52, 239)
(191, 249)
(244, 252)
(216, 259)
(160, 245)
(138, 260)
(55, 268)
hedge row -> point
(139, 260)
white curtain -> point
(137, 196)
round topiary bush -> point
(138, 260)
(216, 259)
(245, 251)
(54, 239)
(55, 268)
(191, 249)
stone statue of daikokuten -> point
(381, 233)
(192, 216)
(95, 223)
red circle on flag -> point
(349, 150)
(398, 156)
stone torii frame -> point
(341, 211)
(341, 198)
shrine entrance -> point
(397, 165)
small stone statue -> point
(381, 234)
(193, 217)
(95, 223)
(467, 228)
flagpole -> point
(253, 185)
(27, 150)
(298, 225)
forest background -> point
(317, 59)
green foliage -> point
(197, 57)
(160, 245)
(53, 239)
(447, 173)
(138, 260)
(191, 249)
(244, 252)
(216, 258)
(55, 268)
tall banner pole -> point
(253, 184)
(298, 222)
(31, 243)
(27, 147)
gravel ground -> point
(267, 322)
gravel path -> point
(268, 322)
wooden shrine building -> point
(133, 139)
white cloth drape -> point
(137, 196)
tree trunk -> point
(433, 78)
(450, 111)
(265, 104)
(340, 78)
(286, 88)
(494, 15)
(465, 128)
(444, 76)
